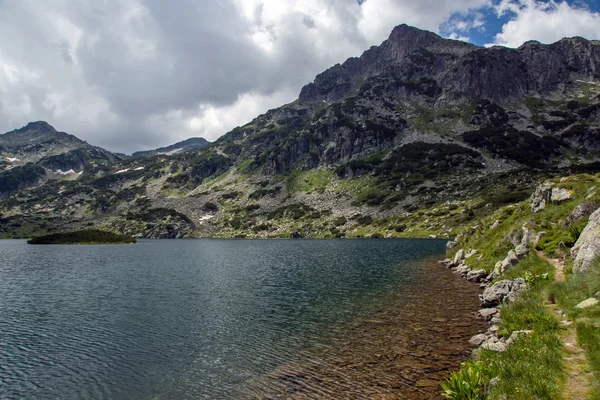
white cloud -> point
(546, 22)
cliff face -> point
(460, 71)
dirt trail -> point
(578, 369)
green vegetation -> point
(20, 177)
(534, 366)
(521, 146)
(465, 384)
(83, 237)
(568, 294)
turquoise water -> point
(186, 319)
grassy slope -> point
(533, 367)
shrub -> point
(211, 207)
(465, 384)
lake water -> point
(226, 319)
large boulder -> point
(587, 247)
(541, 196)
(503, 291)
(459, 257)
(580, 212)
(545, 194)
(476, 276)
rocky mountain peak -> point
(41, 126)
(405, 39)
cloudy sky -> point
(129, 75)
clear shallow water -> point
(185, 319)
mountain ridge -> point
(417, 123)
(195, 143)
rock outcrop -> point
(503, 291)
(582, 211)
(546, 193)
(587, 247)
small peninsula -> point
(83, 237)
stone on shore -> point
(459, 257)
(476, 276)
(488, 313)
(498, 346)
(478, 339)
(502, 292)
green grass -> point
(588, 337)
(587, 321)
(308, 181)
(532, 367)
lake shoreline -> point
(386, 356)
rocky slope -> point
(416, 127)
(37, 153)
(179, 147)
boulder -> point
(587, 303)
(559, 195)
(587, 247)
(495, 224)
(541, 196)
(478, 339)
(471, 253)
(580, 212)
(545, 194)
(528, 237)
(515, 336)
(498, 346)
(462, 269)
(518, 286)
(488, 313)
(459, 257)
(476, 276)
(502, 292)
(509, 261)
(521, 251)
(450, 245)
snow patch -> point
(121, 171)
(9, 159)
(61, 172)
(205, 218)
(139, 169)
(170, 153)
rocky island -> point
(83, 237)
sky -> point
(131, 75)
